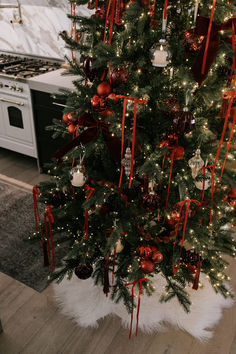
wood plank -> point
(25, 323)
(12, 298)
(93, 340)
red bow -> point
(94, 126)
(140, 281)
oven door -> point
(16, 120)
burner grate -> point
(25, 67)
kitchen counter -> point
(52, 81)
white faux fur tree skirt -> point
(84, 302)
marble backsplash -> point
(38, 34)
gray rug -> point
(19, 259)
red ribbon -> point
(139, 300)
(89, 195)
(165, 10)
(111, 20)
(173, 154)
(181, 205)
(227, 95)
(136, 101)
(208, 37)
(36, 210)
(212, 169)
(48, 214)
(38, 226)
(210, 45)
(197, 274)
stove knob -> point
(19, 89)
(1, 85)
(13, 88)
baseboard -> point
(16, 183)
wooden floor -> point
(32, 323)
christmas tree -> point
(145, 187)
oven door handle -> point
(11, 101)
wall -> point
(39, 32)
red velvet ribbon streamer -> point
(197, 274)
(38, 226)
(48, 214)
(89, 195)
(212, 169)
(113, 3)
(136, 101)
(140, 281)
(208, 37)
(233, 47)
(181, 205)
(36, 210)
(228, 95)
(210, 45)
(165, 10)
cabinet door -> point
(16, 118)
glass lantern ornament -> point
(196, 163)
(126, 162)
(203, 181)
(160, 54)
(77, 176)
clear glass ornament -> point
(199, 182)
(77, 176)
(126, 162)
(196, 163)
(160, 54)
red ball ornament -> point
(71, 118)
(65, 118)
(104, 89)
(71, 128)
(157, 257)
(83, 271)
(147, 266)
(118, 76)
(95, 100)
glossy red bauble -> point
(119, 76)
(157, 257)
(71, 128)
(104, 89)
(71, 118)
(65, 118)
(147, 266)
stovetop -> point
(23, 67)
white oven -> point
(16, 118)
